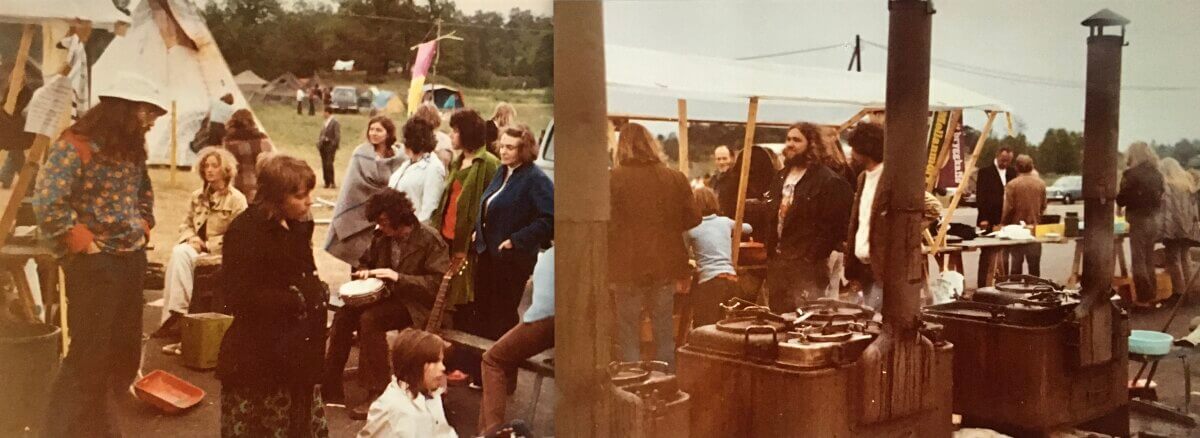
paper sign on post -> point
(48, 105)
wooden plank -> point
(17, 79)
(940, 241)
(174, 139)
(852, 120)
(683, 139)
(747, 155)
(649, 118)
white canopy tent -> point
(169, 43)
(646, 83)
(101, 14)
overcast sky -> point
(1034, 38)
(539, 7)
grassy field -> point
(296, 135)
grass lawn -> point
(296, 135)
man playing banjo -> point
(395, 284)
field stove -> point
(756, 373)
(1025, 365)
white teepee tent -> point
(170, 43)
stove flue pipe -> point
(901, 189)
(1100, 126)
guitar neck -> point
(434, 324)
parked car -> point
(545, 159)
(1066, 189)
(344, 99)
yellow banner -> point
(937, 136)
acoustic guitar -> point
(434, 323)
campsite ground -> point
(296, 134)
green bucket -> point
(29, 360)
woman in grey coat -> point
(370, 167)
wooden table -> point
(991, 252)
(1119, 254)
(13, 258)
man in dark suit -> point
(812, 212)
(327, 145)
(989, 190)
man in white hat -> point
(94, 203)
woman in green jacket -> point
(455, 217)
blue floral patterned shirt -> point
(84, 197)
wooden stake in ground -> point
(747, 154)
(683, 139)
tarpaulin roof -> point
(102, 13)
(646, 82)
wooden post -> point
(683, 139)
(747, 154)
(584, 321)
(174, 138)
(944, 152)
(17, 80)
(853, 119)
(940, 241)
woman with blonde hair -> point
(504, 117)
(1180, 224)
(652, 207)
(1141, 196)
(213, 208)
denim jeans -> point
(104, 292)
(659, 298)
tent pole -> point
(940, 241)
(747, 154)
(852, 120)
(944, 152)
(683, 139)
(174, 138)
(17, 80)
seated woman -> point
(213, 207)
(411, 406)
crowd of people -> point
(411, 204)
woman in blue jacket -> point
(516, 220)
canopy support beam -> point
(744, 178)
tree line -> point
(308, 36)
(1059, 152)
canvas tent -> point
(101, 14)
(445, 98)
(169, 43)
(282, 88)
(249, 82)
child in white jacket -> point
(411, 406)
